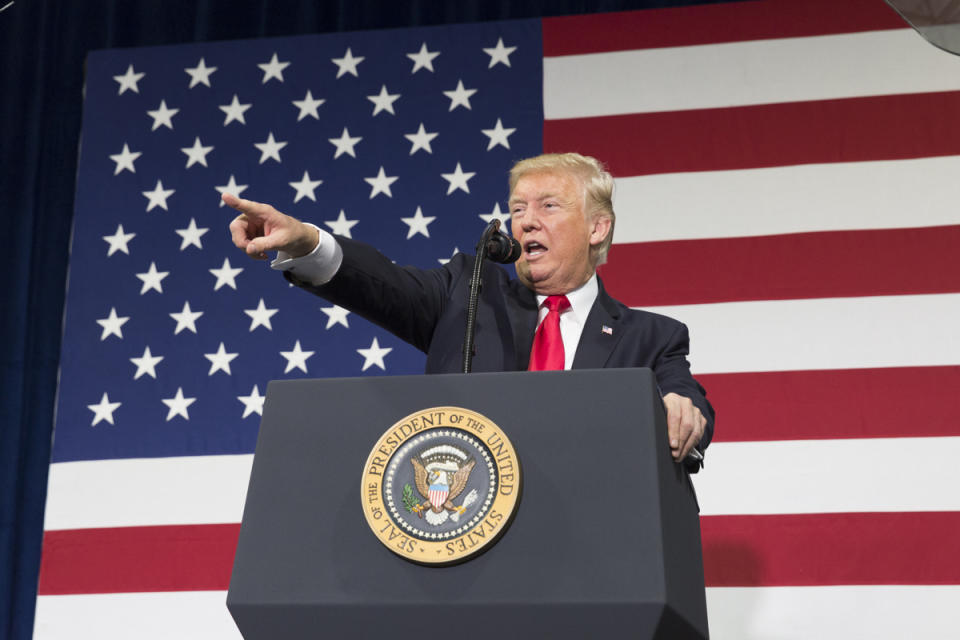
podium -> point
(605, 540)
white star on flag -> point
(458, 179)
(456, 250)
(273, 69)
(305, 188)
(374, 355)
(186, 319)
(252, 403)
(308, 106)
(270, 148)
(118, 241)
(380, 184)
(418, 224)
(459, 97)
(197, 154)
(296, 359)
(146, 364)
(177, 405)
(200, 74)
(191, 235)
(152, 278)
(103, 410)
(220, 360)
(423, 59)
(129, 80)
(232, 188)
(498, 135)
(344, 144)
(226, 275)
(347, 64)
(111, 325)
(125, 159)
(496, 214)
(341, 226)
(499, 54)
(260, 317)
(234, 111)
(158, 197)
(420, 140)
(162, 116)
(383, 101)
(336, 315)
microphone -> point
(502, 248)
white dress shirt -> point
(572, 320)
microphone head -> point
(503, 249)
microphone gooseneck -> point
(501, 248)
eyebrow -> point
(545, 196)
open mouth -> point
(533, 249)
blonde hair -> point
(597, 187)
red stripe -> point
(130, 559)
(711, 24)
(846, 130)
(804, 265)
(777, 550)
(831, 549)
(848, 403)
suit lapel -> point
(523, 320)
(601, 333)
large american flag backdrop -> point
(787, 185)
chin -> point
(523, 272)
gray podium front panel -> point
(606, 538)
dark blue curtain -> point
(43, 45)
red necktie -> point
(547, 352)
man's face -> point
(549, 221)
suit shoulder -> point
(643, 317)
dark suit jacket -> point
(428, 309)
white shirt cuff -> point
(317, 267)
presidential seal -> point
(441, 485)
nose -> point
(530, 219)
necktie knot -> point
(557, 303)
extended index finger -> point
(256, 210)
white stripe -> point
(889, 62)
(829, 476)
(811, 476)
(823, 333)
(144, 616)
(781, 613)
(815, 197)
(147, 491)
(833, 613)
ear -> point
(599, 229)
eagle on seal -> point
(440, 486)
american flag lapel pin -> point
(607, 330)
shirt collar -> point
(581, 299)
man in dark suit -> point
(555, 315)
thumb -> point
(256, 250)
(258, 247)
